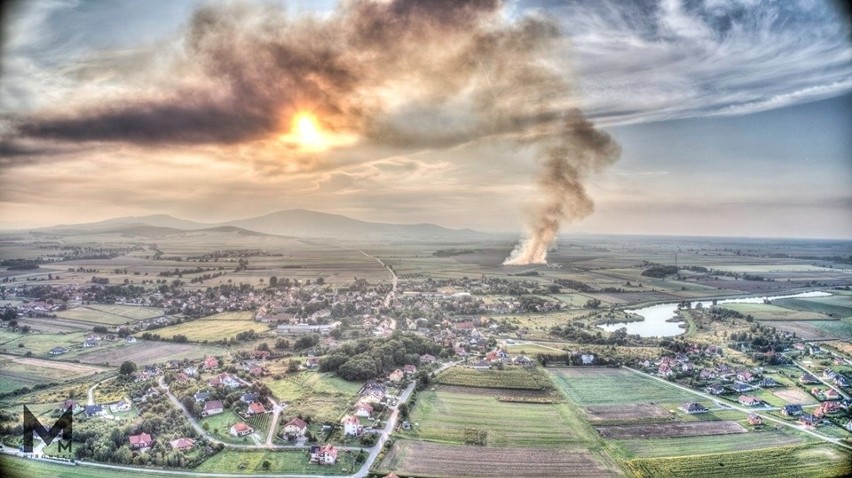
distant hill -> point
(304, 223)
(294, 222)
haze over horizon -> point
(732, 117)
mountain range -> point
(292, 222)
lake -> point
(656, 316)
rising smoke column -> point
(577, 150)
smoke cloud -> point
(578, 150)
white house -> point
(241, 429)
(351, 425)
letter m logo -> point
(31, 424)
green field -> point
(795, 461)
(214, 328)
(39, 343)
(513, 378)
(22, 468)
(219, 426)
(323, 396)
(773, 312)
(232, 461)
(839, 306)
(602, 386)
(684, 446)
(445, 416)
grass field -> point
(408, 458)
(795, 461)
(17, 372)
(38, 343)
(220, 424)
(445, 416)
(683, 446)
(214, 328)
(296, 462)
(23, 468)
(603, 386)
(323, 396)
(773, 312)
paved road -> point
(835, 441)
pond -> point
(656, 316)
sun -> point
(307, 135)
(306, 131)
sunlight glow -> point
(308, 136)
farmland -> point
(684, 446)
(144, 352)
(110, 315)
(604, 386)
(668, 430)
(513, 378)
(446, 417)
(626, 412)
(798, 461)
(17, 372)
(215, 327)
(773, 312)
(430, 459)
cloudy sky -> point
(714, 117)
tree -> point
(265, 465)
(127, 368)
(273, 281)
(403, 410)
(293, 366)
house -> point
(808, 379)
(351, 425)
(745, 376)
(130, 339)
(693, 407)
(587, 359)
(57, 351)
(191, 371)
(240, 429)
(295, 428)
(224, 379)
(201, 396)
(522, 361)
(749, 400)
(89, 343)
(409, 369)
(396, 376)
(312, 362)
(94, 410)
(791, 410)
(715, 389)
(323, 455)
(707, 374)
(427, 358)
(831, 394)
(260, 354)
(182, 444)
(213, 407)
(248, 397)
(256, 408)
(482, 365)
(841, 381)
(740, 387)
(120, 406)
(210, 362)
(754, 419)
(768, 383)
(363, 410)
(830, 407)
(142, 440)
(809, 420)
(849, 426)
(69, 405)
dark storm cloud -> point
(261, 67)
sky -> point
(713, 117)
